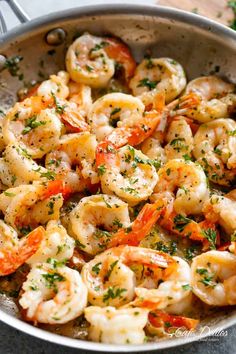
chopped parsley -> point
(59, 108)
(101, 170)
(112, 266)
(147, 83)
(210, 235)
(96, 268)
(31, 124)
(51, 279)
(113, 293)
(181, 222)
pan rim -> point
(98, 10)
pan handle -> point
(18, 11)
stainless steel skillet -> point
(200, 45)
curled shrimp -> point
(153, 75)
(91, 60)
(31, 205)
(15, 252)
(53, 294)
(94, 218)
(179, 139)
(213, 278)
(173, 285)
(32, 124)
(214, 98)
(114, 110)
(73, 160)
(205, 231)
(81, 95)
(116, 326)
(222, 209)
(56, 244)
(215, 150)
(126, 172)
(56, 84)
(188, 181)
(17, 167)
(109, 279)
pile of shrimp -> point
(117, 195)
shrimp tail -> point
(11, 260)
(161, 319)
(106, 154)
(140, 228)
(56, 187)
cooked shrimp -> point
(30, 205)
(161, 322)
(152, 148)
(53, 294)
(57, 84)
(56, 244)
(213, 278)
(73, 160)
(94, 218)
(179, 138)
(116, 326)
(173, 286)
(2, 143)
(215, 150)
(114, 110)
(188, 181)
(14, 252)
(91, 60)
(17, 167)
(222, 209)
(154, 75)
(36, 128)
(215, 98)
(126, 172)
(82, 96)
(109, 279)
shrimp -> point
(161, 323)
(17, 167)
(56, 244)
(222, 209)
(82, 96)
(30, 205)
(126, 172)
(189, 182)
(33, 125)
(215, 98)
(114, 110)
(116, 326)
(2, 143)
(15, 252)
(90, 60)
(57, 84)
(215, 150)
(109, 279)
(53, 294)
(173, 286)
(213, 278)
(73, 160)
(179, 138)
(154, 75)
(94, 218)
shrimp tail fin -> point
(140, 228)
(11, 260)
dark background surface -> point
(15, 342)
